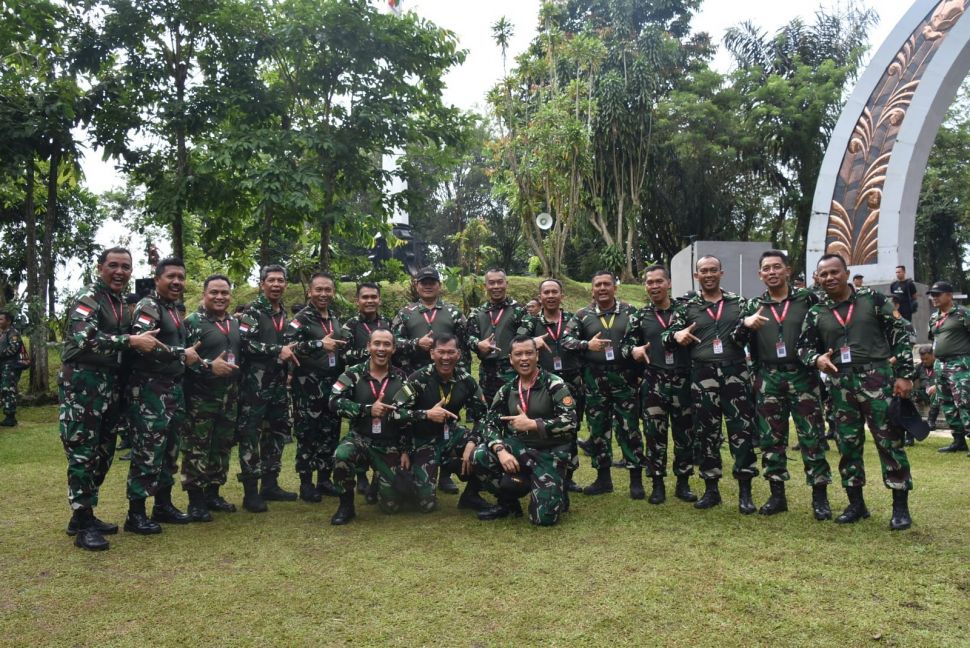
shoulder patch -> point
(568, 400)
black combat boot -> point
(271, 491)
(711, 496)
(900, 519)
(571, 485)
(603, 483)
(253, 500)
(856, 510)
(198, 510)
(659, 493)
(683, 491)
(362, 483)
(959, 444)
(324, 485)
(371, 497)
(504, 508)
(104, 528)
(820, 502)
(137, 521)
(777, 503)
(471, 497)
(308, 492)
(9, 421)
(446, 485)
(216, 502)
(88, 536)
(636, 485)
(345, 512)
(745, 503)
(165, 511)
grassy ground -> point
(614, 572)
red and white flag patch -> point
(296, 324)
(339, 387)
(144, 320)
(83, 310)
(244, 327)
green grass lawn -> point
(615, 572)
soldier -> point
(597, 331)
(156, 401)
(950, 332)
(858, 326)
(857, 280)
(263, 423)
(530, 434)
(211, 395)
(414, 327)
(783, 386)
(318, 344)
(491, 327)
(547, 327)
(89, 391)
(362, 395)
(10, 368)
(665, 391)
(720, 383)
(925, 392)
(430, 402)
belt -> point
(783, 366)
(720, 363)
(92, 367)
(858, 367)
(665, 371)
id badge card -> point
(668, 357)
(718, 346)
(375, 426)
(934, 346)
(331, 359)
(780, 350)
(557, 363)
(845, 353)
(610, 356)
(446, 432)
(231, 358)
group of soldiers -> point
(197, 385)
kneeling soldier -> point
(375, 435)
(530, 431)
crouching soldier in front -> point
(529, 432)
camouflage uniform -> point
(377, 442)
(610, 383)
(720, 384)
(263, 423)
(863, 387)
(10, 369)
(433, 442)
(784, 387)
(950, 333)
(664, 393)
(544, 454)
(157, 401)
(416, 320)
(501, 320)
(211, 401)
(89, 390)
(317, 428)
(357, 333)
(926, 378)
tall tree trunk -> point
(265, 234)
(35, 299)
(326, 233)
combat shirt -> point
(611, 324)
(97, 328)
(308, 329)
(356, 390)
(416, 320)
(950, 333)
(549, 402)
(647, 325)
(425, 388)
(538, 325)
(503, 320)
(716, 322)
(216, 337)
(152, 313)
(357, 332)
(261, 332)
(774, 343)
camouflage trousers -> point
(953, 393)
(780, 394)
(317, 428)
(355, 452)
(574, 380)
(209, 432)
(860, 397)
(9, 377)
(157, 417)
(426, 459)
(612, 396)
(723, 391)
(546, 469)
(493, 374)
(665, 404)
(263, 422)
(89, 411)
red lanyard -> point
(555, 337)
(524, 398)
(942, 319)
(366, 328)
(378, 395)
(225, 331)
(784, 312)
(497, 319)
(116, 313)
(278, 325)
(720, 309)
(666, 324)
(323, 325)
(175, 317)
(848, 316)
(430, 320)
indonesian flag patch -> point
(144, 320)
(244, 327)
(83, 310)
(339, 387)
(296, 324)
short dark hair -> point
(496, 269)
(555, 281)
(381, 329)
(655, 268)
(216, 277)
(166, 262)
(708, 256)
(832, 255)
(113, 250)
(901, 267)
(522, 339)
(925, 349)
(773, 253)
(6, 315)
(439, 339)
(323, 275)
(368, 284)
(267, 269)
(600, 273)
